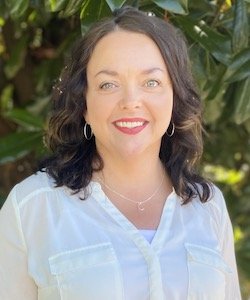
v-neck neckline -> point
(134, 232)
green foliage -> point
(36, 37)
(17, 8)
(18, 144)
(178, 7)
(16, 59)
(240, 30)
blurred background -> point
(35, 40)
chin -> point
(133, 151)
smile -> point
(130, 126)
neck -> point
(137, 178)
(132, 170)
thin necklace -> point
(140, 204)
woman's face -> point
(129, 96)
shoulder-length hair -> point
(71, 161)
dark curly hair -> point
(71, 160)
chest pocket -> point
(89, 273)
(207, 273)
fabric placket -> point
(165, 223)
(149, 253)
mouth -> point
(130, 126)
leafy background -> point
(35, 39)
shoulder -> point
(215, 207)
(19, 199)
(37, 180)
(37, 183)
(216, 202)
(34, 198)
(37, 186)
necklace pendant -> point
(140, 207)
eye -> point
(107, 86)
(152, 83)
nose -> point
(131, 98)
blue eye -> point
(107, 86)
(152, 83)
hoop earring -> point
(87, 137)
(172, 131)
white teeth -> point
(129, 124)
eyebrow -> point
(107, 72)
(144, 72)
(152, 70)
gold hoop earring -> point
(85, 132)
(172, 131)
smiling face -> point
(129, 96)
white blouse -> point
(148, 234)
(55, 246)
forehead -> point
(121, 48)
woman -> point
(119, 211)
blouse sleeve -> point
(15, 282)
(228, 252)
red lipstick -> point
(130, 126)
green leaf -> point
(18, 144)
(239, 67)
(17, 8)
(16, 60)
(67, 43)
(213, 109)
(215, 86)
(2, 22)
(200, 7)
(247, 126)
(6, 98)
(40, 105)
(196, 55)
(91, 13)
(37, 3)
(24, 118)
(242, 111)
(174, 6)
(3, 10)
(204, 68)
(55, 5)
(72, 7)
(217, 44)
(240, 29)
(113, 4)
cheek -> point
(90, 115)
(164, 105)
(97, 111)
(92, 107)
(163, 110)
